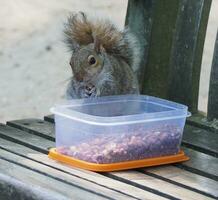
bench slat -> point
(213, 89)
(12, 188)
(92, 177)
(156, 42)
(211, 190)
(186, 178)
(193, 137)
(148, 181)
(35, 126)
(24, 138)
(201, 121)
(202, 170)
(103, 179)
(175, 43)
(139, 18)
(187, 52)
(201, 140)
(193, 165)
(21, 180)
(201, 164)
(76, 182)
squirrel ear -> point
(78, 31)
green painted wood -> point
(156, 74)
(139, 19)
(195, 165)
(15, 135)
(200, 140)
(213, 89)
(172, 46)
(201, 121)
(186, 56)
(35, 127)
(154, 26)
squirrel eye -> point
(92, 60)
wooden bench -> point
(172, 34)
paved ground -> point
(34, 62)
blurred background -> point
(34, 61)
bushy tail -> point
(80, 31)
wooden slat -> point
(144, 180)
(194, 165)
(201, 121)
(139, 19)
(194, 137)
(29, 144)
(35, 142)
(156, 42)
(19, 179)
(84, 185)
(201, 140)
(99, 178)
(200, 163)
(211, 190)
(83, 174)
(156, 75)
(11, 188)
(108, 182)
(35, 127)
(186, 179)
(213, 90)
(172, 46)
(187, 51)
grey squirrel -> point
(104, 59)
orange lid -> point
(117, 166)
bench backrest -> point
(213, 89)
(172, 35)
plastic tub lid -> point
(175, 110)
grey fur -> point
(117, 53)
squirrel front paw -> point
(90, 90)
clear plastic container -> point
(114, 129)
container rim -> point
(178, 111)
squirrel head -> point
(87, 62)
(95, 45)
(85, 41)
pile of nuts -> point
(140, 144)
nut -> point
(137, 144)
